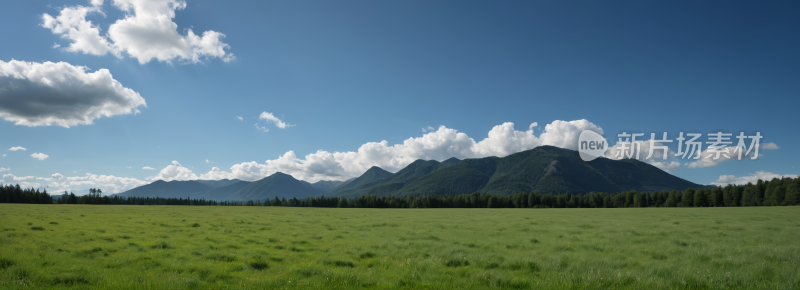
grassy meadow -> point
(215, 247)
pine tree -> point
(688, 198)
(342, 202)
(792, 194)
(749, 196)
(700, 198)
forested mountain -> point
(373, 175)
(277, 185)
(178, 189)
(224, 192)
(328, 185)
(218, 183)
(386, 185)
(545, 168)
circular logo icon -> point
(591, 145)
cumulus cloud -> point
(17, 148)
(666, 166)
(3, 169)
(707, 156)
(657, 159)
(108, 183)
(751, 178)
(147, 32)
(148, 168)
(269, 118)
(769, 146)
(176, 171)
(45, 94)
(71, 24)
(40, 156)
(440, 144)
(240, 118)
(58, 183)
(24, 181)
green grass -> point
(185, 247)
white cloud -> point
(3, 169)
(707, 157)
(672, 165)
(752, 178)
(176, 171)
(17, 148)
(71, 24)
(45, 94)
(56, 45)
(148, 168)
(108, 183)
(4, 155)
(240, 118)
(23, 181)
(58, 183)
(265, 129)
(206, 160)
(272, 119)
(147, 32)
(428, 129)
(40, 156)
(441, 144)
(657, 159)
(769, 146)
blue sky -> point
(343, 74)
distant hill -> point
(168, 189)
(388, 185)
(370, 178)
(277, 185)
(218, 183)
(328, 185)
(545, 168)
(224, 192)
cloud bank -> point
(751, 178)
(440, 144)
(45, 94)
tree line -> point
(777, 192)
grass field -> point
(158, 247)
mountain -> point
(224, 192)
(328, 185)
(407, 175)
(277, 185)
(167, 189)
(218, 183)
(370, 178)
(545, 168)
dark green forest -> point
(777, 192)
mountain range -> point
(545, 168)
